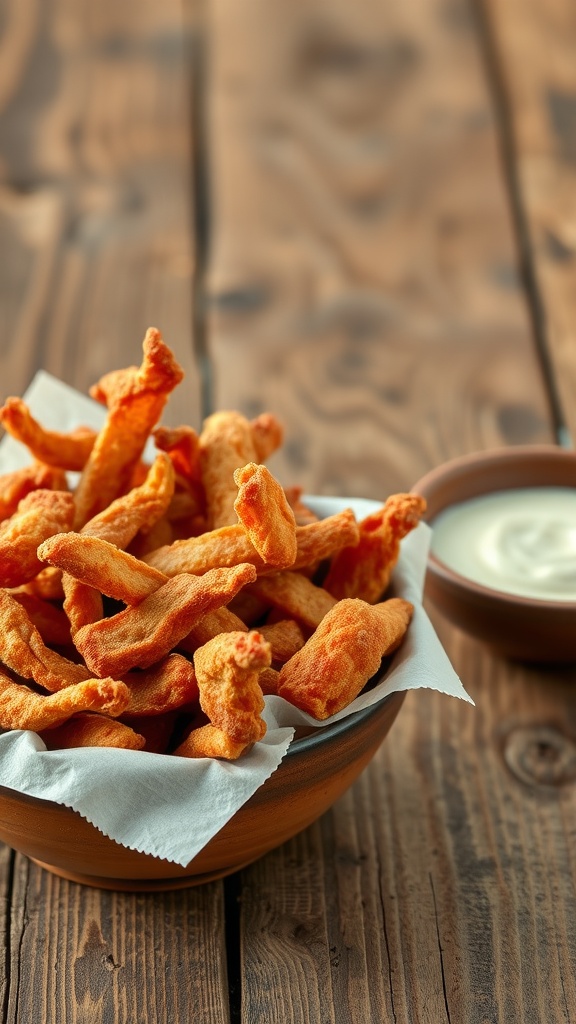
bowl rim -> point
(453, 468)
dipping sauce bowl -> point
(527, 628)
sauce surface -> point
(518, 541)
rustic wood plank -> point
(363, 285)
(95, 173)
(360, 230)
(96, 237)
(114, 957)
(533, 44)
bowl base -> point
(139, 884)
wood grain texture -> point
(535, 45)
(80, 955)
(363, 285)
(95, 207)
(360, 232)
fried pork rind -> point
(364, 571)
(16, 485)
(135, 404)
(265, 514)
(23, 651)
(231, 545)
(143, 634)
(118, 524)
(342, 654)
(102, 566)
(227, 669)
(49, 619)
(285, 638)
(164, 687)
(22, 708)
(65, 451)
(295, 596)
(39, 515)
(220, 621)
(229, 441)
(89, 729)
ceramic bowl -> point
(316, 770)
(523, 628)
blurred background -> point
(311, 199)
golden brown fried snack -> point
(135, 406)
(48, 618)
(302, 513)
(266, 516)
(268, 679)
(319, 540)
(267, 435)
(226, 444)
(65, 451)
(23, 651)
(46, 585)
(227, 546)
(143, 634)
(16, 485)
(344, 652)
(138, 510)
(208, 741)
(364, 570)
(90, 729)
(21, 708)
(220, 621)
(295, 596)
(285, 638)
(39, 515)
(164, 687)
(102, 566)
(183, 446)
(227, 669)
(156, 732)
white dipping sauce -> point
(519, 541)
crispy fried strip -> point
(319, 540)
(102, 566)
(364, 570)
(268, 680)
(285, 638)
(267, 435)
(295, 596)
(16, 485)
(46, 585)
(302, 513)
(21, 708)
(90, 729)
(134, 408)
(141, 635)
(66, 451)
(39, 515)
(138, 510)
(226, 444)
(230, 545)
(49, 619)
(23, 651)
(183, 446)
(208, 741)
(265, 514)
(227, 669)
(227, 546)
(220, 621)
(341, 656)
(164, 687)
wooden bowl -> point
(316, 770)
(524, 628)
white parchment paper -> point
(171, 807)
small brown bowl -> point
(524, 628)
(316, 770)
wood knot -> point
(540, 755)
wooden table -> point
(363, 217)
